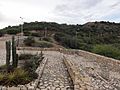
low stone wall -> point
(112, 64)
(79, 81)
(32, 85)
(38, 49)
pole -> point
(21, 26)
(22, 31)
(76, 37)
(45, 32)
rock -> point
(13, 88)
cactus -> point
(14, 55)
(16, 61)
(41, 55)
(8, 54)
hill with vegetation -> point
(98, 37)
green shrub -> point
(29, 66)
(13, 31)
(20, 72)
(67, 40)
(27, 33)
(33, 75)
(85, 46)
(107, 50)
(43, 44)
(22, 76)
(32, 64)
(36, 34)
(48, 39)
(1, 33)
(3, 66)
(11, 79)
(19, 76)
(25, 56)
(29, 41)
(1, 77)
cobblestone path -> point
(55, 75)
(96, 73)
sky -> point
(60, 11)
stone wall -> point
(79, 82)
(38, 49)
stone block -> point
(13, 88)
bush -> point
(19, 76)
(48, 39)
(13, 31)
(32, 64)
(1, 77)
(1, 34)
(43, 44)
(85, 46)
(67, 41)
(107, 50)
(27, 33)
(36, 34)
(25, 56)
(29, 41)
(20, 72)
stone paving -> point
(100, 78)
(55, 75)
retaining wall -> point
(79, 82)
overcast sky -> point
(61, 11)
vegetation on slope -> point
(107, 50)
(84, 37)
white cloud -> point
(89, 10)
(61, 11)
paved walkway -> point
(55, 75)
(101, 78)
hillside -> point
(92, 36)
